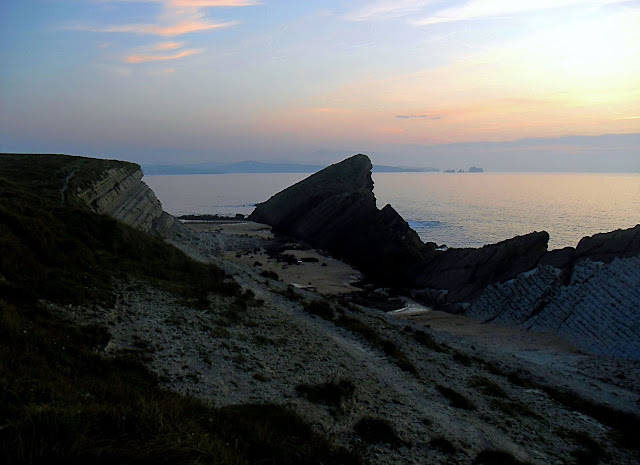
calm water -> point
(459, 210)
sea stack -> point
(335, 209)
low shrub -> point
(332, 393)
(455, 398)
(377, 431)
(443, 445)
(488, 387)
(321, 308)
(497, 457)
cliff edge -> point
(107, 187)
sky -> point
(542, 85)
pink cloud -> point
(184, 27)
(134, 59)
(162, 46)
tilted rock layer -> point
(120, 193)
(108, 187)
(589, 294)
(335, 209)
(595, 305)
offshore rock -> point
(335, 209)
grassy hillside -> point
(59, 397)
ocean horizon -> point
(457, 210)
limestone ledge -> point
(121, 194)
(598, 310)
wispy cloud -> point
(385, 9)
(478, 9)
(177, 29)
(212, 3)
(162, 46)
(192, 3)
(134, 59)
(439, 11)
(432, 117)
(173, 19)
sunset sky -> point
(517, 85)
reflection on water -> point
(459, 210)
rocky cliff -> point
(335, 209)
(107, 187)
(589, 294)
(120, 193)
(591, 297)
(465, 272)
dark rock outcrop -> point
(335, 209)
(464, 273)
(603, 247)
(597, 308)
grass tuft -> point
(332, 393)
(456, 399)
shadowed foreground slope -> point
(60, 397)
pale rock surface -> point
(598, 310)
(121, 193)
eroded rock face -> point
(598, 309)
(464, 273)
(120, 193)
(335, 209)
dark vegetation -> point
(443, 445)
(377, 431)
(72, 255)
(373, 300)
(455, 398)
(497, 457)
(332, 393)
(424, 339)
(589, 451)
(324, 310)
(389, 347)
(321, 308)
(488, 387)
(60, 399)
(270, 275)
(625, 425)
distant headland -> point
(473, 169)
(260, 167)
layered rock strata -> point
(598, 310)
(465, 272)
(120, 193)
(335, 209)
(589, 294)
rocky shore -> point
(361, 354)
(589, 294)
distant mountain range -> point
(259, 167)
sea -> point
(452, 209)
